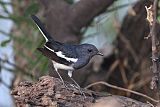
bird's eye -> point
(89, 50)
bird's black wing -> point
(42, 28)
(53, 56)
(64, 51)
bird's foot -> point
(65, 85)
(79, 88)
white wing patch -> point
(60, 54)
(42, 33)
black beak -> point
(100, 54)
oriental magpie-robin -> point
(65, 56)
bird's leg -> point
(70, 75)
(60, 76)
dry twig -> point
(122, 89)
(152, 19)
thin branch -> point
(152, 19)
(122, 89)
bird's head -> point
(90, 50)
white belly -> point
(61, 66)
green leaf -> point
(5, 42)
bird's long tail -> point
(42, 29)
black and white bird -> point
(65, 56)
